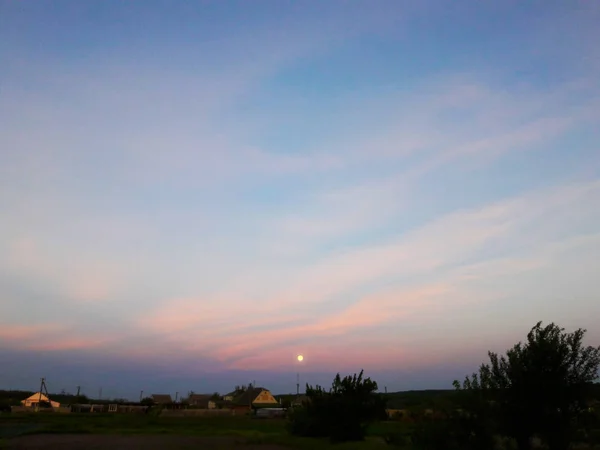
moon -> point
(300, 358)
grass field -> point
(235, 430)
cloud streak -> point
(457, 250)
(314, 183)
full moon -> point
(300, 357)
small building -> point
(38, 398)
(255, 398)
(161, 399)
(202, 401)
(229, 397)
(81, 408)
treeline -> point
(543, 390)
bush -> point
(342, 413)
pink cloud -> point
(205, 315)
(50, 337)
(268, 316)
(233, 343)
(76, 342)
(28, 332)
(349, 353)
(92, 286)
(226, 328)
(80, 280)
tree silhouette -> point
(539, 387)
(342, 413)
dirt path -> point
(97, 442)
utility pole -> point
(141, 395)
(41, 388)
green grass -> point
(144, 424)
(249, 430)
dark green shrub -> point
(342, 413)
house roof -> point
(37, 396)
(199, 399)
(162, 398)
(248, 396)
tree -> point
(539, 387)
(147, 401)
(342, 413)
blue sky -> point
(220, 186)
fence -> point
(31, 409)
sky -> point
(194, 193)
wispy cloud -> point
(316, 176)
(47, 337)
(456, 250)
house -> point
(229, 397)
(203, 401)
(254, 398)
(161, 399)
(36, 398)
